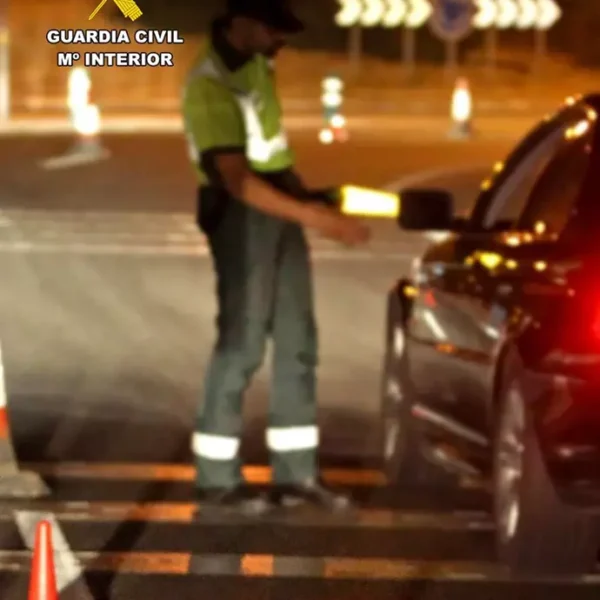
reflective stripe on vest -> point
(259, 149)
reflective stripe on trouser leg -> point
(215, 447)
(217, 460)
(292, 435)
(293, 452)
(244, 256)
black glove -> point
(328, 196)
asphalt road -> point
(106, 321)
(109, 301)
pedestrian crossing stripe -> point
(188, 512)
(254, 474)
(107, 233)
(262, 565)
(138, 541)
(277, 566)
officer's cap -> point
(277, 14)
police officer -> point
(253, 208)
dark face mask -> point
(274, 49)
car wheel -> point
(536, 534)
(404, 462)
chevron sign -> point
(499, 14)
(521, 14)
(383, 13)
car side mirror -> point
(426, 210)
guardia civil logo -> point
(129, 8)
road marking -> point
(409, 124)
(149, 234)
(95, 215)
(268, 565)
(176, 232)
(67, 566)
(284, 567)
(387, 253)
(74, 159)
(254, 474)
(188, 513)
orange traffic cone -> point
(42, 585)
(14, 483)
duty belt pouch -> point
(211, 207)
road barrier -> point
(42, 584)
(13, 482)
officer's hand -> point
(338, 227)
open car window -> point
(511, 197)
(554, 196)
(505, 194)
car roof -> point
(592, 99)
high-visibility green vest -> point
(224, 109)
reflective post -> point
(332, 98)
(409, 51)
(355, 48)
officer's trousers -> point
(264, 288)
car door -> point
(454, 332)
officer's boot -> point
(311, 493)
(240, 500)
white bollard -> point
(461, 110)
(79, 87)
(84, 115)
(86, 121)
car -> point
(492, 346)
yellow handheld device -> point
(368, 202)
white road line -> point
(31, 214)
(403, 253)
(176, 228)
(186, 513)
(422, 177)
(68, 567)
(73, 159)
